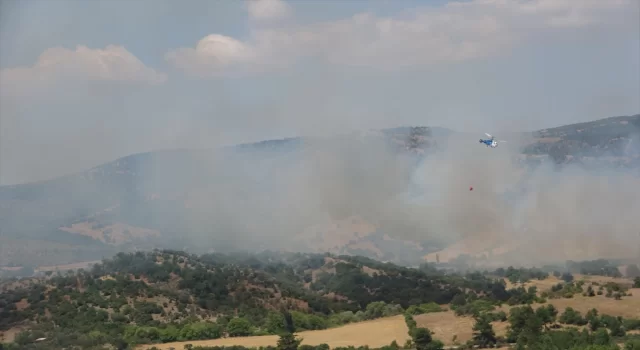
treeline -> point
(274, 323)
(543, 328)
(529, 328)
(600, 267)
(520, 275)
(166, 296)
(569, 290)
(421, 337)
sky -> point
(86, 82)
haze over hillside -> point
(120, 132)
(232, 175)
(397, 194)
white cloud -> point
(455, 32)
(213, 54)
(113, 63)
(262, 10)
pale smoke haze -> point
(81, 85)
(263, 201)
(84, 84)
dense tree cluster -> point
(541, 328)
(600, 267)
(520, 275)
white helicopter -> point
(491, 141)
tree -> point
(601, 337)
(435, 345)
(423, 340)
(594, 321)
(547, 314)
(567, 277)
(275, 323)
(458, 300)
(571, 316)
(288, 341)
(483, 334)
(421, 337)
(531, 332)
(632, 344)
(636, 282)
(375, 310)
(518, 317)
(239, 327)
(288, 321)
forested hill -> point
(166, 296)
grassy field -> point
(376, 333)
(448, 328)
(628, 307)
(541, 285)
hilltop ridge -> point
(166, 198)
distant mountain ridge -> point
(145, 200)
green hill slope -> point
(168, 296)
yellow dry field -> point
(628, 307)
(543, 285)
(603, 279)
(550, 281)
(446, 325)
(376, 333)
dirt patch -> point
(369, 271)
(376, 333)
(22, 304)
(9, 335)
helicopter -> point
(491, 141)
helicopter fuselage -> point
(490, 143)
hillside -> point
(169, 299)
(168, 296)
(615, 140)
(338, 194)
